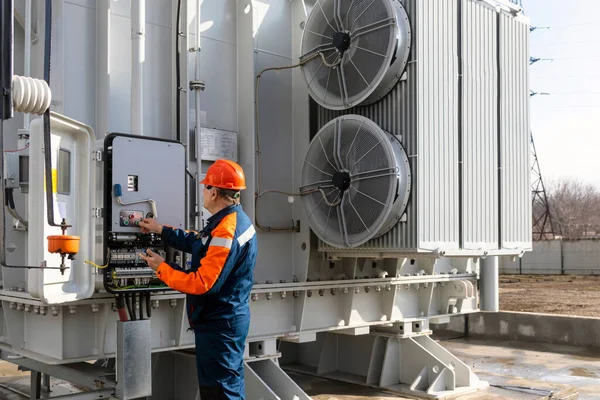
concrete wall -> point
(570, 257)
(517, 326)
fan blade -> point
(327, 222)
(348, 13)
(359, 176)
(325, 16)
(364, 155)
(353, 140)
(337, 145)
(337, 14)
(374, 176)
(371, 51)
(364, 30)
(320, 170)
(367, 196)
(325, 154)
(342, 222)
(360, 73)
(318, 34)
(327, 86)
(342, 82)
(360, 15)
(358, 215)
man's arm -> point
(178, 238)
(217, 263)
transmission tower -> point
(540, 207)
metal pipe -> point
(47, 143)
(6, 73)
(102, 66)
(197, 92)
(490, 297)
(6, 66)
(138, 43)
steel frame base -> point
(411, 364)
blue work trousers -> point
(220, 358)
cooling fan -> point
(355, 181)
(354, 51)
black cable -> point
(6, 190)
(10, 201)
(189, 174)
(141, 296)
(129, 308)
(47, 144)
(148, 306)
(177, 72)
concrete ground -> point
(561, 370)
(551, 371)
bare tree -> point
(575, 208)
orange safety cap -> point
(225, 174)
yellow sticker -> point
(54, 181)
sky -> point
(566, 122)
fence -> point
(569, 257)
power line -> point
(565, 43)
(558, 77)
(572, 105)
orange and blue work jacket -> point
(219, 282)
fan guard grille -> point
(355, 180)
(357, 50)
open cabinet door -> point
(72, 191)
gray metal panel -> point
(161, 175)
(480, 126)
(80, 63)
(397, 114)
(273, 47)
(134, 360)
(157, 71)
(437, 179)
(515, 184)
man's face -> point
(210, 197)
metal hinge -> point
(97, 155)
(197, 85)
(97, 212)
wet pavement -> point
(552, 371)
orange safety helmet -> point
(225, 174)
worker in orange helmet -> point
(219, 282)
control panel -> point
(130, 218)
(137, 188)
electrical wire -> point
(16, 151)
(258, 193)
(100, 266)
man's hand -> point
(153, 259)
(149, 225)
